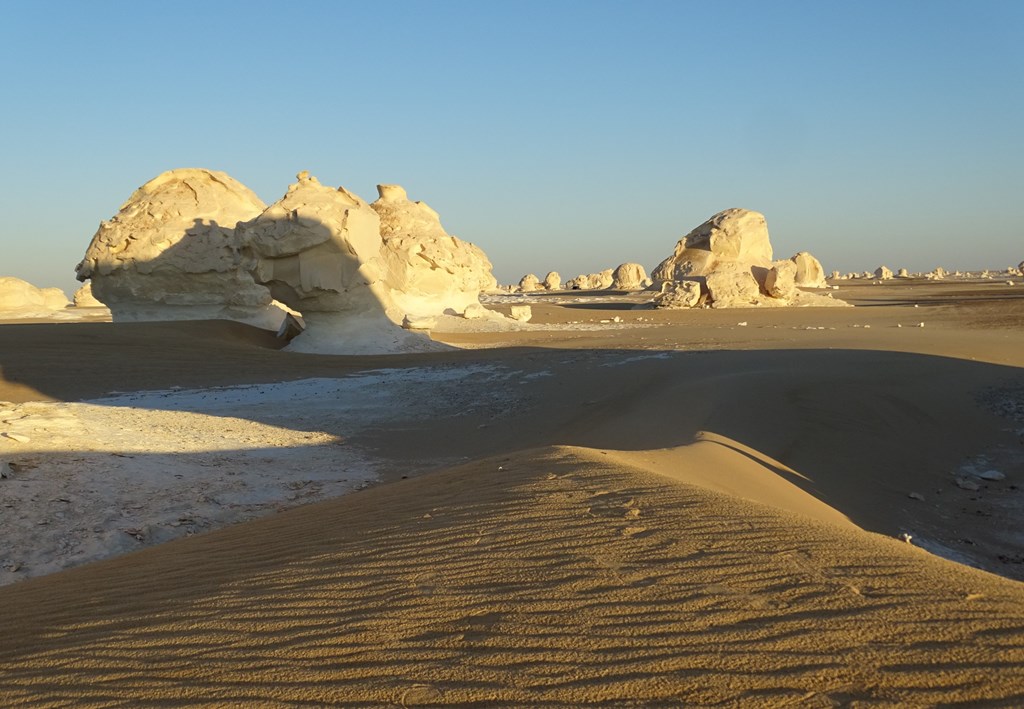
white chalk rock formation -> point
(602, 280)
(428, 270)
(55, 298)
(529, 283)
(733, 237)
(521, 313)
(84, 298)
(809, 273)
(937, 275)
(18, 297)
(1020, 268)
(732, 287)
(677, 295)
(780, 281)
(553, 281)
(902, 273)
(630, 276)
(318, 250)
(883, 273)
(171, 252)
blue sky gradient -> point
(556, 135)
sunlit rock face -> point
(809, 273)
(319, 251)
(630, 276)
(20, 298)
(734, 237)
(84, 298)
(171, 252)
(428, 270)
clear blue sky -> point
(556, 135)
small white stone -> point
(992, 475)
(965, 484)
(916, 496)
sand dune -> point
(549, 576)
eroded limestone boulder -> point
(553, 281)
(84, 298)
(171, 252)
(732, 287)
(883, 273)
(529, 283)
(677, 295)
(630, 276)
(809, 273)
(732, 237)
(318, 250)
(780, 281)
(428, 270)
(55, 298)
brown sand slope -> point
(545, 578)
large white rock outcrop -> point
(171, 252)
(734, 237)
(319, 251)
(428, 270)
(630, 276)
(883, 273)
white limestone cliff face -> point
(428, 270)
(630, 276)
(171, 252)
(319, 251)
(733, 237)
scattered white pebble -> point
(742, 324)
(906, 537)
(965, 484)
(916, 496)
(992, 475)
(920, 324)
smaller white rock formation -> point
(629, 277)
(529, 283)
(84, 298)
(936, 275)
(883, 273)
(677, 295)
(553, 281)
(809, 273)
(780, 282)
(902, 273)
(521, 313)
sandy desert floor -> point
(610, 505)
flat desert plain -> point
(745, 507)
